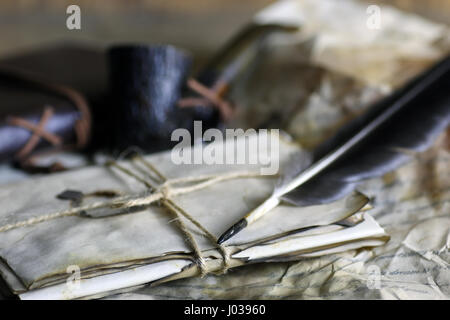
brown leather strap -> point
(447, 138)
(83, 124)
(209, 96)
(37, 130)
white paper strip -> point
(119, 280)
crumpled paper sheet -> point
(412, 204)
(347, 41)
(314, 81)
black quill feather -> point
(369, 146)
(409, 119)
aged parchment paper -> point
(338, 70)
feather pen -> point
(371, 145)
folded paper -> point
(117, 250)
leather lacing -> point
(82, 126)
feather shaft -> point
(409, 119)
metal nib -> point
(237, 227)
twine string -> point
(176, 210)
(160, 190)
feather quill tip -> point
(237, 227)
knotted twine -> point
(163, 192)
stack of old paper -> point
(48, 251)
(340, 66)
(342, 63)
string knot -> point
(165, 191)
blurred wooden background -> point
(198, 25)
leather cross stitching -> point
(208, 95)
(38, 131)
